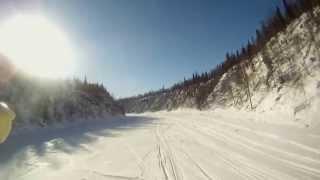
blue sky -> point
(133, 46)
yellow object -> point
(6, 118)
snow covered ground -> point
(184, 144)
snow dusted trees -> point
(43, 102)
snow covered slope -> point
(184, 144)
(282, 79)
(45, 102)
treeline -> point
(43, 102)
(96, 90)
(276, 23)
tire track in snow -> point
(165, 154)
(237, 169)
(230, 159)
(248, 141)
(144, 160)
(300, 161)
(202, 170)
(305, 161)
(232, 141)
(162, 163)
(115, 176)
(266, 135)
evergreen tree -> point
(280, 16)
(288, 9)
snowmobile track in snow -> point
(169, 146)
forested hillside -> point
(41, 102)
(279, 65)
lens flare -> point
(36, 46)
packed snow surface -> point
(184, 144)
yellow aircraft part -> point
(6, 120)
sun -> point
(37, 46)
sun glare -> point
(36, 46)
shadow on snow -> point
(67, 139)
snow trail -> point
(180, 145)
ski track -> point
(172, 146)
